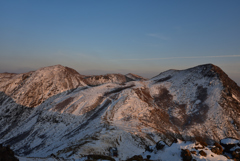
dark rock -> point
(218, 145)
(186, 155)
(197, 148)
(203, 153)
(135, 158)
(201, 140)
(194, 152)
(148, 156)
(228, 146)
(148, 148)
(6, 154)
(236, 154)
(203, 143)
(217, 149)
(160, 145)
(53, 155)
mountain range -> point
(57, 111)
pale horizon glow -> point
(190, 57)
(138, 36)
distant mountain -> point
(135, 77)
(55, 110)
(108, 78)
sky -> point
(144, 37)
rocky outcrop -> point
(6, 154)
(108, 78)
(217, 149)
(186, 155)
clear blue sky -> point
(144, 37)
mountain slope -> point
(89, 118)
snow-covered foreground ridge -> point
(179, 150)
(55, 110)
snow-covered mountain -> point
(33, 88)
(55, 110)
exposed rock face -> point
(76, 113)
(217, 149)
(186, 155)
(6, 154)
(135, 157)
(160, 145)
(108, 78)
(236, 154)
(203, 153)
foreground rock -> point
(217, 149)
(186, 155)
(6, 154)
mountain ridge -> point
(129, 114)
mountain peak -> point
(58, 68)
(32, 88)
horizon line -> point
(188, 57)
